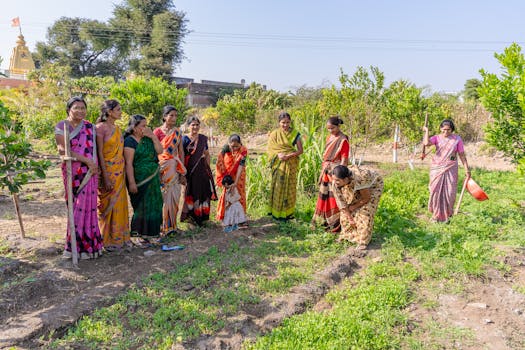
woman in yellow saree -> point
(284, 149)
(113, 217)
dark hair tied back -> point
(235, 138)
(335, 120)
(284, 115)
(193, 118)
(448, 122)
(166, 110)
(107, 106)
(227, 180)
(342, 172)
(72, 100)
(134, 120)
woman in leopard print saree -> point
(357, 192)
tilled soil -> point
(41, 292)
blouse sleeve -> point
(158, 132)
(59, 128)
(460, 148)
(185, 142)
(130, 142)
(297, 137)
(345, 149)
(434, 140)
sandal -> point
(360, 247)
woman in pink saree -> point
(85, 179)
(444, 170)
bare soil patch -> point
(40, 292)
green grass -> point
(369, 311)
(164, 311)
(418, 261)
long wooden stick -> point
(423, 151)
(70, 216)
(461, 196)
(19, 215)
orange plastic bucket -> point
(476, 191)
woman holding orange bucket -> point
(444, 170)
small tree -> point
(404, 107)
(15, 168)
(149, 96)
(504, 97)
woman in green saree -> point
(141, 148)
(284, 149)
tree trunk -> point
(19, 215)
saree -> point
(113, 217)
(283, 188)
(147, 202)
(88, 237)
(326, 210)
(171, 166)
(358, 228)
(444, 176)
(200, 186)
(228, 163)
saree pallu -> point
(113, 217)
(326, 210)
(171, 167)
(283, 188)
(360, 230)
(88, 237)
(147, 202)
(228, 163)
(200, 186)
(443, 179)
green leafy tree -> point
(404, 107)
(359, 101)
(236, 113)
(504, 97)
(471, 89)
(149, 96)
(150, 34)
(92, 86)
(16, 167)
(251, 108)
(85, 46)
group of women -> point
(153, 166)
(349, 196)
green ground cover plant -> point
(368, 311)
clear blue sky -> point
(287, 43)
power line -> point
(303, 38)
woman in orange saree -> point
(232, 161)
(172, 168)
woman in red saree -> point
(336, 153)
(172, 168)
(444, 170)
(232, 161)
